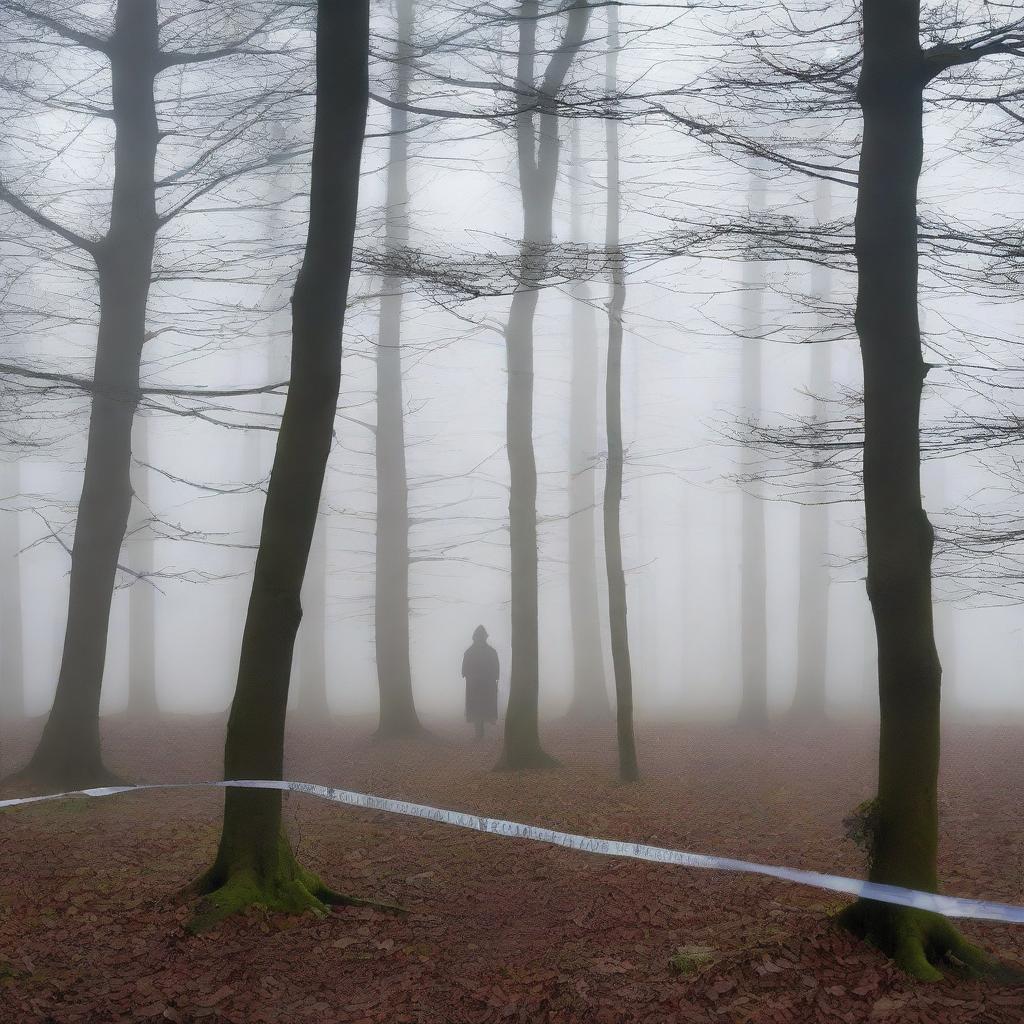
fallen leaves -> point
(499, 930)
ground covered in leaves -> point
(92, 928)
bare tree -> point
(590, 688)
(68, 754)
(904, 815)
(538, 151)
(398, 715)
(809, 700)
(753, 567)
(255, 863)
(629, 770)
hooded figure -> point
(480, 670)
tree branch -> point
(15, 202)
(86, 39)
(1008, 40)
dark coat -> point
(480, 670)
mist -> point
(660, 352)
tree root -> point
(919, 941)
(289, 889)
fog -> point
(226, 325)
(540, 482)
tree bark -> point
(629, 770)
(809, 700)
(398, 715)
(274, 355)
(68, 755)
(143, 702)
(904, 815)
(944, 609)
(538, 155)
(254, 863)
(590, 688)
(753, 571)
(312, 701)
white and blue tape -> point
(948, 906)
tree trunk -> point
(312, 701)
(944, 609)
(142, 693)
(68, 755)
(753, 572)
(12, 666)
(254, 863)
(629, 770)
(391, 604)
(809, 701)
(538, 172)
(904, 816)
(274, 355)
(590, 688)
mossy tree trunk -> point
(68, 754)
(398, 715)
(254, 863)
(538, 156)
(629, 770)
(899, 536)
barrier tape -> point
(948, 906)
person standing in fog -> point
(480, 670)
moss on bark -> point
(920, 942)
(282, 886)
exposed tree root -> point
(919, 942)
(287, 888)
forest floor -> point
(91, 928)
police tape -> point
(948, 906)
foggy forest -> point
(511, 512)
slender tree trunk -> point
(590, 688)
(809, 701)
(12, 667)
(312, 701)
(538, 154)
(273, 353)
(68, 754)
(391, 605)
(647, 606)
(753, 571)
(142, 692)
(904, 816)
(629, 770)
(254, 862)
